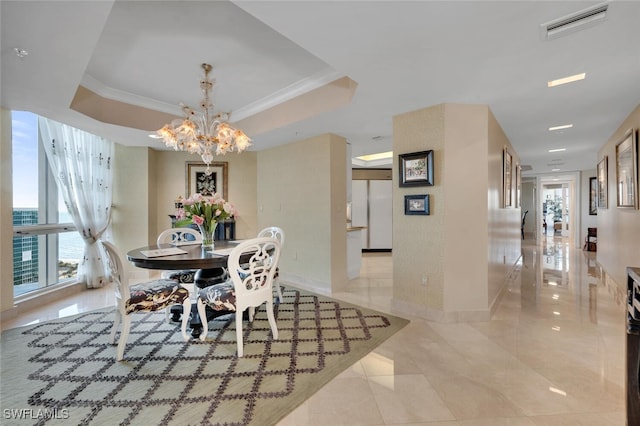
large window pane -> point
(44, 252)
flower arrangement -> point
(205, 212)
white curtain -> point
(82, 166)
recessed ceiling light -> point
(20, 53)
(558, 150)
(379, 156)
(558, 391)
(555, 170)
(566, 80)
(566, 126)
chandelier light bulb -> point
(201, 133)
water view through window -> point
(40, 258)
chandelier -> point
(202, 132)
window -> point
(46, 248)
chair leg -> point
(252, 313)
(279, 289)
(116, 323)
(239, 332)
(124, 335)
(186, 310)
(272, 319)
(202, 311)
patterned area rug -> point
(64, 371)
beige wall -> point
(618, 228)
(141, 210)
(464, 262)
(464, 180)
(134, 214)
(302, 189)
(170, 182)
(503, 223)
(418, 240)
(6, 212)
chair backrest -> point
(117, 271)
(252, 265)
(273, 232)
(179, 236)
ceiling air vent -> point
(575, 22)
(526, 168)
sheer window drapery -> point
(82, 166)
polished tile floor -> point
(552, 354)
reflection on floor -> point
(552, 354)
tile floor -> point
(552, 354)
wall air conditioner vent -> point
(575, 22)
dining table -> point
(209, 265)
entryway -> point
(557, 207)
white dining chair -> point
(143, 297)
(180, 237)
(252, 265)
(277, 233)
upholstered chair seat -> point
(150, 296)
(219, 297)
(155, 295)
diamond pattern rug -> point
(64, 371)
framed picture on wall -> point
(416, 169)
(416, 204)
(593, 196)
(507, 193)
(197, 180)
(602, 183)
(627, 171)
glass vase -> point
(208, 231)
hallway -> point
(552, 354)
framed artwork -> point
(198, 181)
(593, 196)
(507, 193)
(416, 204)
(602, 183)
(416, 169)
(627, 171)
